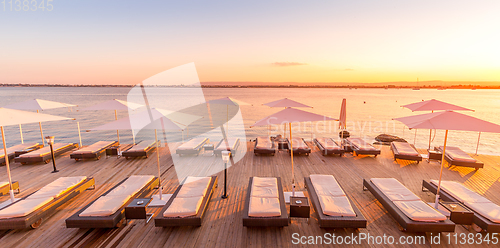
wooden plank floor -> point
(222, 225)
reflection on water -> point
(369, 113)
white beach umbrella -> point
(448, 120)
(115, 105)
(38, 104)
(286, 103)
(289, 116)
(151, 119)
(343, 117)
(434, 105)
(16, 117)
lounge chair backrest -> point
(143, 145)
(231, 142)
(16, 148)
(46, 150)
(327, 143)
(264, 142)
(361, 144)
(193, 143)
(99, 145)
(405, 149)
(458, 154)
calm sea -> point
(369, 113)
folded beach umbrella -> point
(289, 116)
(434, 105)
(115, 105)
(16, 117)
(37, 104)
(448, 120)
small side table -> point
(137, 209)
(299, 207)
(434, 155)
(282, 144)
(112, 151)
(459, 214)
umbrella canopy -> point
(286, 103)
(227, 101)
(448, 120)
(114, 104)
(17, 117)
(291, 115)
(37, 104)
(142, 119)
(433, 105)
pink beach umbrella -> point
(289, 116)
(286, 103)
(448, 120)
(115, 105)
(17, 117)
(434, 105)
(38, 104)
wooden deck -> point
(222, 226)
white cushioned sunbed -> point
(41, 197)
(192, 144)
(264, 142)
(142, 146)
(46, 150)
(94, 147)
(17, 148)
(190, 197)
(264, 198)
(410, 204)
(404, 148)
(108, 204)
(332, 198)
(471, 199)
(458, 154)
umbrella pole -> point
(7, 166)
(430, 136)
(441, 172)
(117, 132)
(477, 147)
(291, 154)
(415, 138)
(79, 134)
(158, 162)
(41, 131)
(21, 132)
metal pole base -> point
(55, 171)
(224, 196)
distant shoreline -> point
(416, 87)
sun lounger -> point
(108, 211)
(405, 151)
(187, 205)
(328, 146)
(5, 188)
(44, 155)
(31, 210)
(192, 147)
(455, 156)
(95, 150)
(486, 213)
(263, 145)
(299, 146)
(234, 144)
(17, 150)
(265, 203)
(360, 146)
(406, 208)
(334, 208)
(143, 149)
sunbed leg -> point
(150, 217)
(364, 188)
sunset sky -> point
(125, 42)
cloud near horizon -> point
(281, 64)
